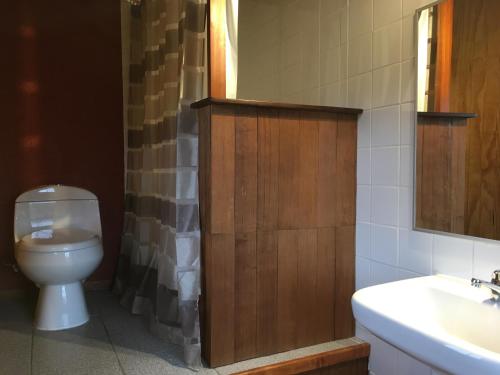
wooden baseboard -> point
(331, 362)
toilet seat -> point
(57, 240)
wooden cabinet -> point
(277, 199)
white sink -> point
(440, 320)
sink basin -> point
(440, 320)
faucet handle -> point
(495, 277)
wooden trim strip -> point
(264, 104)
(216, 48)
(449, 115)
(312, 362)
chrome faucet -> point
(493, 285)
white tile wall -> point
(395, 251)
(365, 58)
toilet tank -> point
(56, 206)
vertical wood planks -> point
(442, 178)
(288, 172)
(344, 281)
(222, 170)
(307, 171)
(268, 166)
(204, 189)
(345, 190)
(267, 292)
(325, 292)
(307, 304)
(287, 290)
(245, 315)
(277, 229)
(327, 169)
(245, 189)
(298, 170)
(245, 218)
(222, 304)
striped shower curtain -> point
(159, 266)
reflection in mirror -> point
(457, 176)
(292, 51)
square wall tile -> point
(407, 123)
(383, 273)
(289, 51)
(344, 20)
(486, 259)
(386, 86)
(408, 46)
(363, 236)
(386, 12)
(452, 256)
(384, 205)
(415, 251)
(406, 166)
(330, 6)
(405, 274)
(364, 129)
(363, 167)
(359, 89)
(410, 6)
(363, 206)
(384, 247)
(329, 33)
(387, 45)
(385, 127)
(360, 17)
(330, 94)
(408, 80)
(362, 273)
(385, 161)
(360, 54)
(329, 65)
(343, 61)
(405, 207)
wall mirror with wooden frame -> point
(457, 156)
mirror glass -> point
(292, 51)
(457, 156)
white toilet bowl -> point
(58, 245)
(58, 260)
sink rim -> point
(462, 357)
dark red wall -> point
(61, 112)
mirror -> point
(292, 51)
(457, 156)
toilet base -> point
(60, 307)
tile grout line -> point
(122, 370)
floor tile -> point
(164, 363)
(15, 348)
(85, 349)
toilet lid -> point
(54, 240)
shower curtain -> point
(159, 265)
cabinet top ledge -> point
(274, 105)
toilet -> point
(57, 232)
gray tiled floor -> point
(113, 342)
